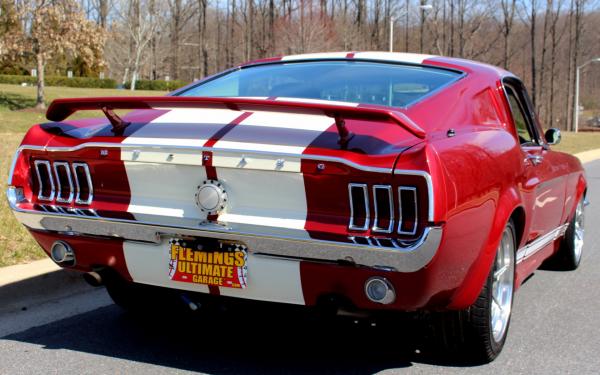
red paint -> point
(90, 253)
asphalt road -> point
(554, 329)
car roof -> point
(467, 66)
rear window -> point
(391, 85)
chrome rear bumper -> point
(408, 257)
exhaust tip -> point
(62, 253)
(93, 278)
(380, 290)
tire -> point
(477, 334)
(569, 253)
(135, 297)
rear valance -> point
(60, 109)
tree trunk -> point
(41, 64)
(532, 40)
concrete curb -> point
(588, 156)
(43, 280)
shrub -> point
(89, 82)
(146, 84)
(85, 82)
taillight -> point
(384, 209)
(83, 182)
(359, 206)
(46, 186)
(63, 182)
(407, 200)
(381, 198)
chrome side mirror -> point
(552, 136)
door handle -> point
(534, 159)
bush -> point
(146, 84)
(85, 82)
(89, 82)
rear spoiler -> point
(60, 109)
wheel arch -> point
(509, 207)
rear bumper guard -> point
(408, 257)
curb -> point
(25, 285)
(588, 156)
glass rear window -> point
(391, 85)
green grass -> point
(578, 142)
(16, 245)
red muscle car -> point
(375, 181)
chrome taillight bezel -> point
(67, 168)
(365, 190)
(78, 184)
(48, 167)
(375, 227)
(413, 190)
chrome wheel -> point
(578, 232)
(503, 285)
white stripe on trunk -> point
(273, 280)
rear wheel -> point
(571, 247)
(478, 333)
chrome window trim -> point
(40, 195)
(89, 182)
(365, 190)
(65, 165)
(400, 219)
(390, 227)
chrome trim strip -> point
(40, 195)
(409, 258)
(88, 177)
(365, 190)
(400, 219)
(541, 242)
(390, 227)
(213, 149)
(67, 168)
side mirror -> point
(552, 136)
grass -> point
(573, 143)
(16, 245)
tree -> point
(56, 28)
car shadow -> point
(256, 341)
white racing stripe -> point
(308, 56)
(288, 132)
(413, 58)
(269, 279)
(183, 127)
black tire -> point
(469, 334)
(131, 296)
(568, 256)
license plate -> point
(225, 266)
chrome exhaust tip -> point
(380, 290)
(62, 253)
(93, 278)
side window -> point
(520, 118)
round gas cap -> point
(211, 197)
